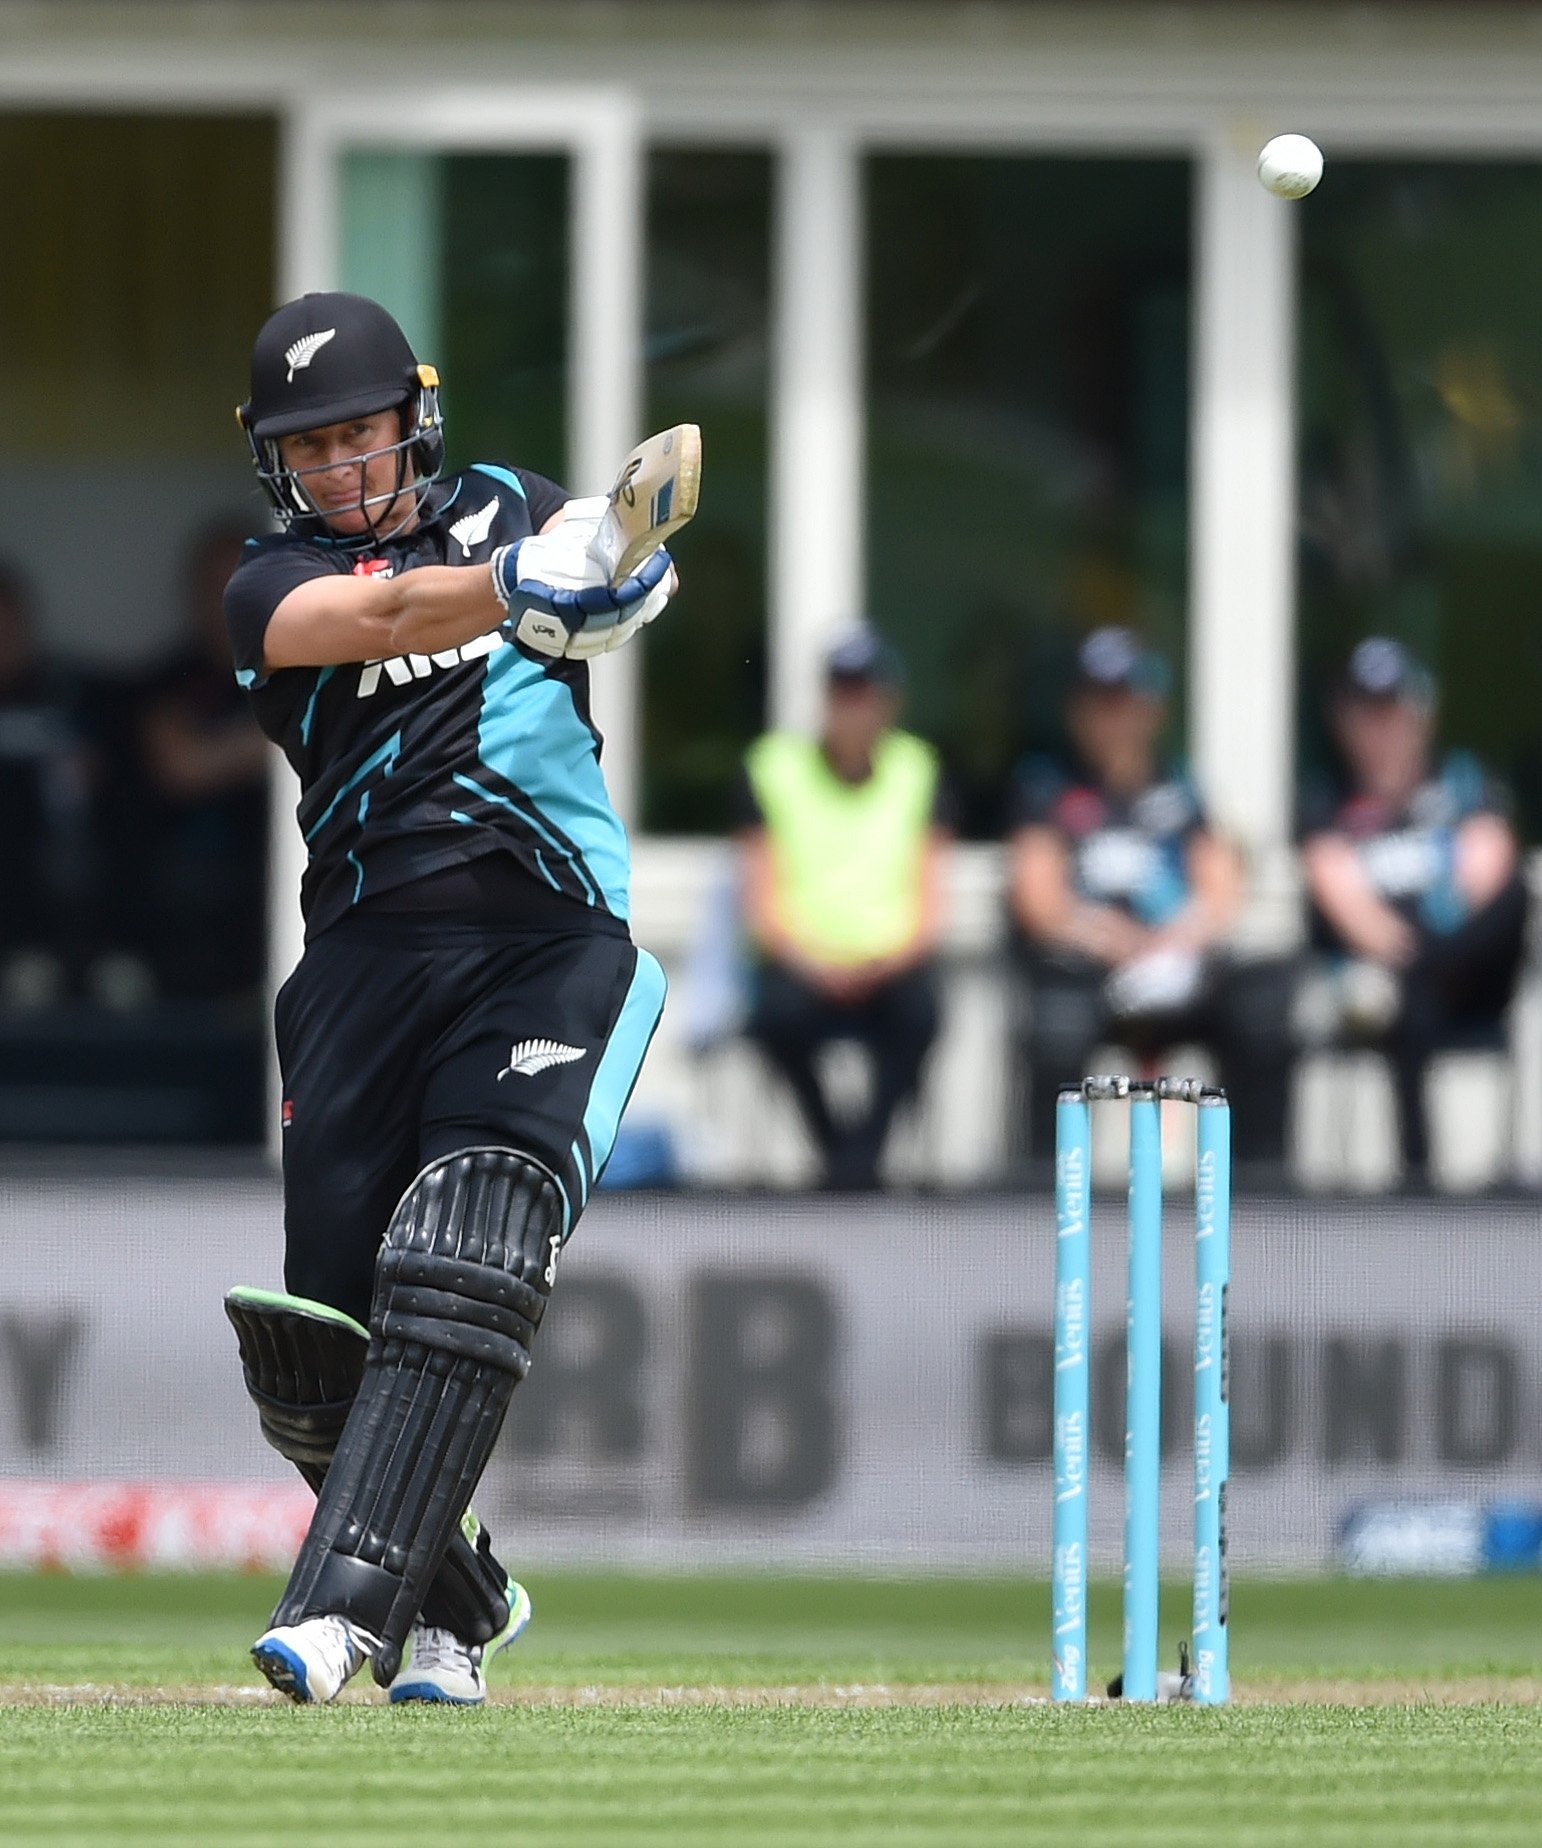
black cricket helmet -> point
(321, 360)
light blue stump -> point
(1073, 1432)
(1143, 1402)
(1212, 1407)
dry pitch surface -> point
(750, 1710)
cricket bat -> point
(654, 495)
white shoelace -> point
(436, 1648)
(342, 1651)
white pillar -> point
(1243, 498)
(306, 259)
(605, 391)
(817, 529)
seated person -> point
(1121, 896)
(844, 846)
(44, 814)
(202, 776)
(1413, 875)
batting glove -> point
(558, 598)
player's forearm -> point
(768, 928)
(1363, 920)
(1050, 912)
(1060, 919)
(1215, 873)
(764, 918)
(1486, 858)
(1040, 892)
(1103, 932)
(442, 606)
(1370, 928)
(332, 621)
(1201, 924)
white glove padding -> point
(1160, 982)
(558, 597)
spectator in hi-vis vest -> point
(844, 841)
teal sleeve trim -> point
(308, 717)
(505, 475)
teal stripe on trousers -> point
(620, 1063)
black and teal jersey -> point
(1407, 849)
(1127, 851)
(414, 766)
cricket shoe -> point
(310, 1661)
(443, 1668)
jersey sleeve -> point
(1317, 810)
(1036, 789)
(1476, 790)
(1197, 818)
(544, 496)
(261, 582)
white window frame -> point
(597, 128)
(988, 80)
(1242, 430)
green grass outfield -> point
(755, 1710)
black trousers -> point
(1455, 997)
(1242, 1017)
(403, 1038)
(791, 1020)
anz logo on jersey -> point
(402, 670)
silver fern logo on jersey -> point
(474, 528)
(529, 1057)
(305, 350)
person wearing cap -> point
(1413, 876)
(844, 840)
(1121, 896)
(45, 820)
(470, 1013)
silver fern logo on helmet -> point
(538, 1055)
(305, 350)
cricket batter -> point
(470, 1014)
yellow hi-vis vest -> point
(848, 856)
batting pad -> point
(460, 1288)
(303, 1362)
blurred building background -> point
(995, 340)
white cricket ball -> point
(1290, 166)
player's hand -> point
(657, 582)
(557, 596)
(1108, 935)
